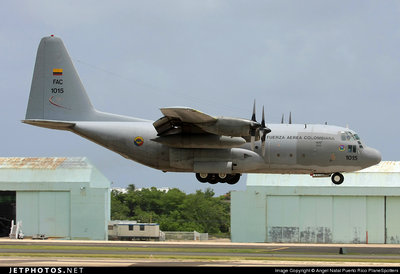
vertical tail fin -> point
(57, 97)
(57, 92)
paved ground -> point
(115, 253)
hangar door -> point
(327, 219)
(44, 212)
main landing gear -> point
(213, 178)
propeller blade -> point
(257, 128)
(265, 131)
(263, 119)
(253, 117)
(254, 127)
(290, 118)
(263, 147)
(253, 139)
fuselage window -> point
(351, 149)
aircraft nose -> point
(373, 156)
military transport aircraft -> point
(216, 149)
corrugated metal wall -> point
(300, 209)
(325, 219)
(44, 212)
(58, 197)
(258, 216)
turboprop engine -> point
(229, 126)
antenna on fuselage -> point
(283, 118)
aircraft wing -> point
(187, 120)
(188, 115)
(189, 128)
(181, 120)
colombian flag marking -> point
(57, 71)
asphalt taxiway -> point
(16, 253)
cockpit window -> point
(349, 136)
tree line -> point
(173, 210)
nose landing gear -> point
(214, 178)
(337, 178)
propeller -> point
(253, 128)
(262, 129)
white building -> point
(58, 197)
(299, 208)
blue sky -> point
(325, 61)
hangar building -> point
(58, 197)
(302, 209)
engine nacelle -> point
(229, 126)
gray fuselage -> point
(290, 148)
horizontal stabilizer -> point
(50, 124)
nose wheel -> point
(337, 178)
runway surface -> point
(115, 253)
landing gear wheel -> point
(234, 178)
(202, 177)
(337, 178)
(212, 179)
(222, 177)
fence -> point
(185, 236)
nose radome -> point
(374, 156)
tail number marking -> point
(57, 90)
(57, 82)
(351, 157)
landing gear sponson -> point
(213, 178)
